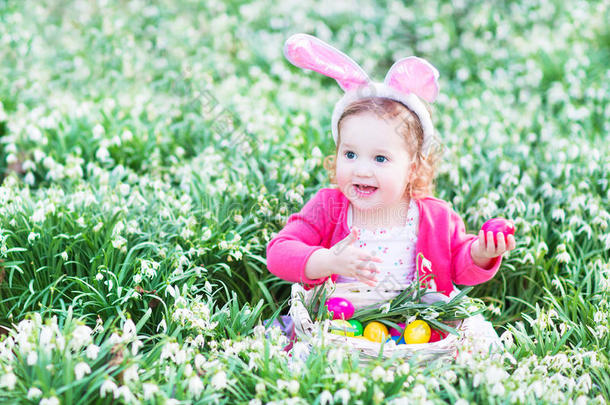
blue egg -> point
(398, 339)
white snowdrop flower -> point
(102, 154)
(99, 276)
(32, 358)
(92, 351)
(450, 376)
(584, 383)
(260, 388)
(162, 326)
(39, 215)
(98, 226)
(34, 393)
(135, 346)
(326, 398)
(605, 239)
(44, 340)
(137, 278)
(558, 214)
(149, 390)
(378, 373)
(129, 329)
(563, 257)
(32, 236)
(114, 339)
(124, 189)
(461, 401)
(180, 357)
(404, 369)
(81, 369)
(476, 381)
(195, 386)
(131, 374)
(127, 135)
(29, 179)
(255, 401)
(49, 401)
(542, 249)
(507, 338)
(119, 242)
(109, 386)
(498, 389)
(206, 234)
(219, 381)
(293, 387)
(64, 255)
(8, 381)
(98, 131)
(11, 158)
(529, 258)
(343, 395)
(126, 393)
(208, 287)
(109, 284)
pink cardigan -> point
(322, 222)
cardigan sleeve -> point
(289, 251)
(463, 269)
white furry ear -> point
(414, 75)
(311, 53)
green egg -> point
(356, 325)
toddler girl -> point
(381, 216)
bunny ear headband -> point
(408, 78)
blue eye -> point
(350, 155)
(380, 158)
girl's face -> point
(373, 164)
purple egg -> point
(340, 307)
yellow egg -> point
(341, 327)
(376, 332)
(417, 332)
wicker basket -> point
(368, 350)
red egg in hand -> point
(496, 225)
(340, 307)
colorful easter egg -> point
(376, 332)
(340, 307)
(417, 332)
(356, 324)
(497, 225)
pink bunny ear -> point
(311, 53)
(414, 75)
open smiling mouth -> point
(362, 189)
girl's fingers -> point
(501, 243)
(511, 242)
(370, 267)
(367, 257)
(480, 242)
(491, 245)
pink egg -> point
(340, 307)
(496, 225)
(396, 332)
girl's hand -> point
(350, 261)
(482, 252)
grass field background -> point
(149, 152)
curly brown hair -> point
(422, 183)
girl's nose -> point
(363, 169)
